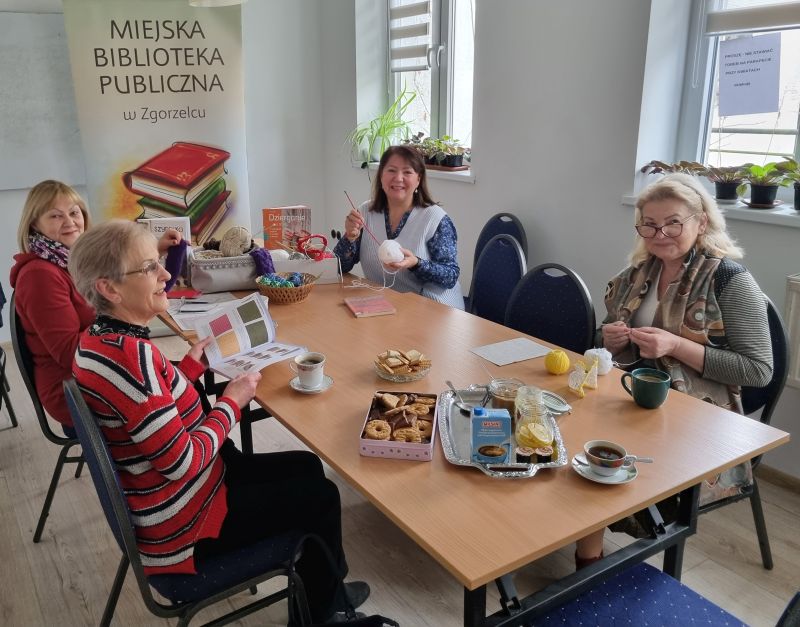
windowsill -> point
(459, 176)
(784, 215)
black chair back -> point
(499, 269)
(552, 303)
(25, 362)
(499, 224)
(766, 398)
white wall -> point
(558, 94)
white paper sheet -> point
(511, 351)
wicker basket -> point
(288, 295)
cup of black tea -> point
(648, 386)
(309, 368)
(606, 458)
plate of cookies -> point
(400, 425)
(402, 366)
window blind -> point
(754, 19)
(409, 35)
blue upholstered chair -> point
(765, 399)
(498, 224)
(499, 269)
(66, 441)
(640, 595)
(217, 578)
(551, 302)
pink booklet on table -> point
(368, 306)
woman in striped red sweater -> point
(191, 493)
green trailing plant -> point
(723, 174)
(767, 175)
(380, 132)
(662, 167)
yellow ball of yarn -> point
(556, 362)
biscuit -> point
(378, 430)
(407, 434)
(425, 428)
(419, 409)
(402, 399)
(425, 400)
(390, 401)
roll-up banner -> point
(160, 100)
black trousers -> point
(270, 493)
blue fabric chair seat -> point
(641, 595)
(224, 571)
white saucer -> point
(623, 475)
(727, 201)
(326, 383)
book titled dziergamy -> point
(179, 174)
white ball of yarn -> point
(279, 254)
(235, 241)
(390, 252)
(604, 359)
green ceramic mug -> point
(648, 386)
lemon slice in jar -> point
(534, 435)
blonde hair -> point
(39, 201)
(687, 189)
(102, 253)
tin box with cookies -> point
(400, 425)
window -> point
(756, 137)
(431, 54)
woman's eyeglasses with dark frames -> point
(674, 229)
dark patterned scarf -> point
(48, 249)
(104, 325)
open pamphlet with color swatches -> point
(243, 337)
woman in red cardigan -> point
(191, 493)
(51, 311)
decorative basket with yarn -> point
(287, 295)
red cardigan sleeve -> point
(46, 298)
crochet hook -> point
(363, 222)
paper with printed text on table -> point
(243, 335)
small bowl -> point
(402, 378)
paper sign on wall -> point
(749, 74)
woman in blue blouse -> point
(402, 209)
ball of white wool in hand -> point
(390, 252)
(604, 359)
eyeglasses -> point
(673, 229)
(147, 269)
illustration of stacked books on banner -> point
(183, 180)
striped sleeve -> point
(134, 382)
(748, 358)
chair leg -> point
(79, 469)
(761, 526)
(116, 588)
(51, 491)
(4, 397)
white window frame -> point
(440, 61)
(701, 61)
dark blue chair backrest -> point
(551, 302)
(101, 467)
(499, 269)
(499, 224)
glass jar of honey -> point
(504, 393)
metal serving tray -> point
(454, 433)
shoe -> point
(357, 592)
(343, 617)
(583, 562)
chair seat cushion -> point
(217, 573)
(641, 595)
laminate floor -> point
(64, 580)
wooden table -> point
(480, 528)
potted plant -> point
(791, 170)
(443, 152)
(726, 180)
(662, 167)
(764, 181)
(368, 141)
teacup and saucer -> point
(311, 378)
(603, 461)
